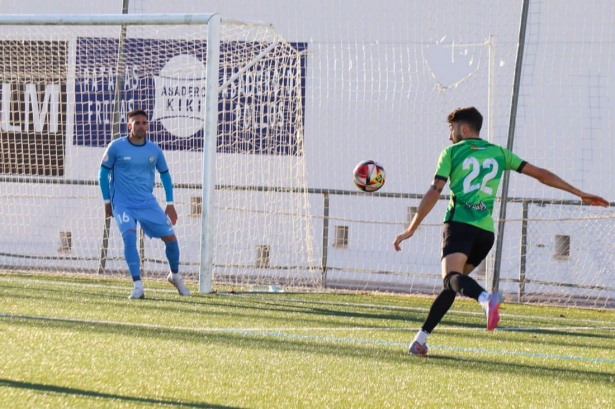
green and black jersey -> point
(474, 167)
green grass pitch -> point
(79, 342)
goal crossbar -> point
(115, 19)
(104, 19)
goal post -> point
(209, 155)
(225, 98)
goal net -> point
(66, 90)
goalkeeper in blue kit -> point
(474, 167)
(126, 178)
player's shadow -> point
(62, 390)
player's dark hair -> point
(136, 112)
(468, 115)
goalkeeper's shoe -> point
(137, 294)
(177, 281)
(418, 349)
(492, 309)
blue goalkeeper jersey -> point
(132, 170)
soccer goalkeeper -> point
(126, 179)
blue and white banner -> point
(260, 111)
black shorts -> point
(470, 240)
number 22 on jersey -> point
(472, 181)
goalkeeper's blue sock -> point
(172, 252)
(131, 254)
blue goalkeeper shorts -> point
(151, 217)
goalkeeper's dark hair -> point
(468, 115)
(136, 112)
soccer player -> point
(126, 179)
(474, 167)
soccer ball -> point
(369, 176)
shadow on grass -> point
(297, 312)
(101, 395)
(265, 342)
(234, 307)
(270, 302)
(289, 310)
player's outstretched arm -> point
(427, 203)
(594, 200)
(549, 178)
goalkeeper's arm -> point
(103, 182)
